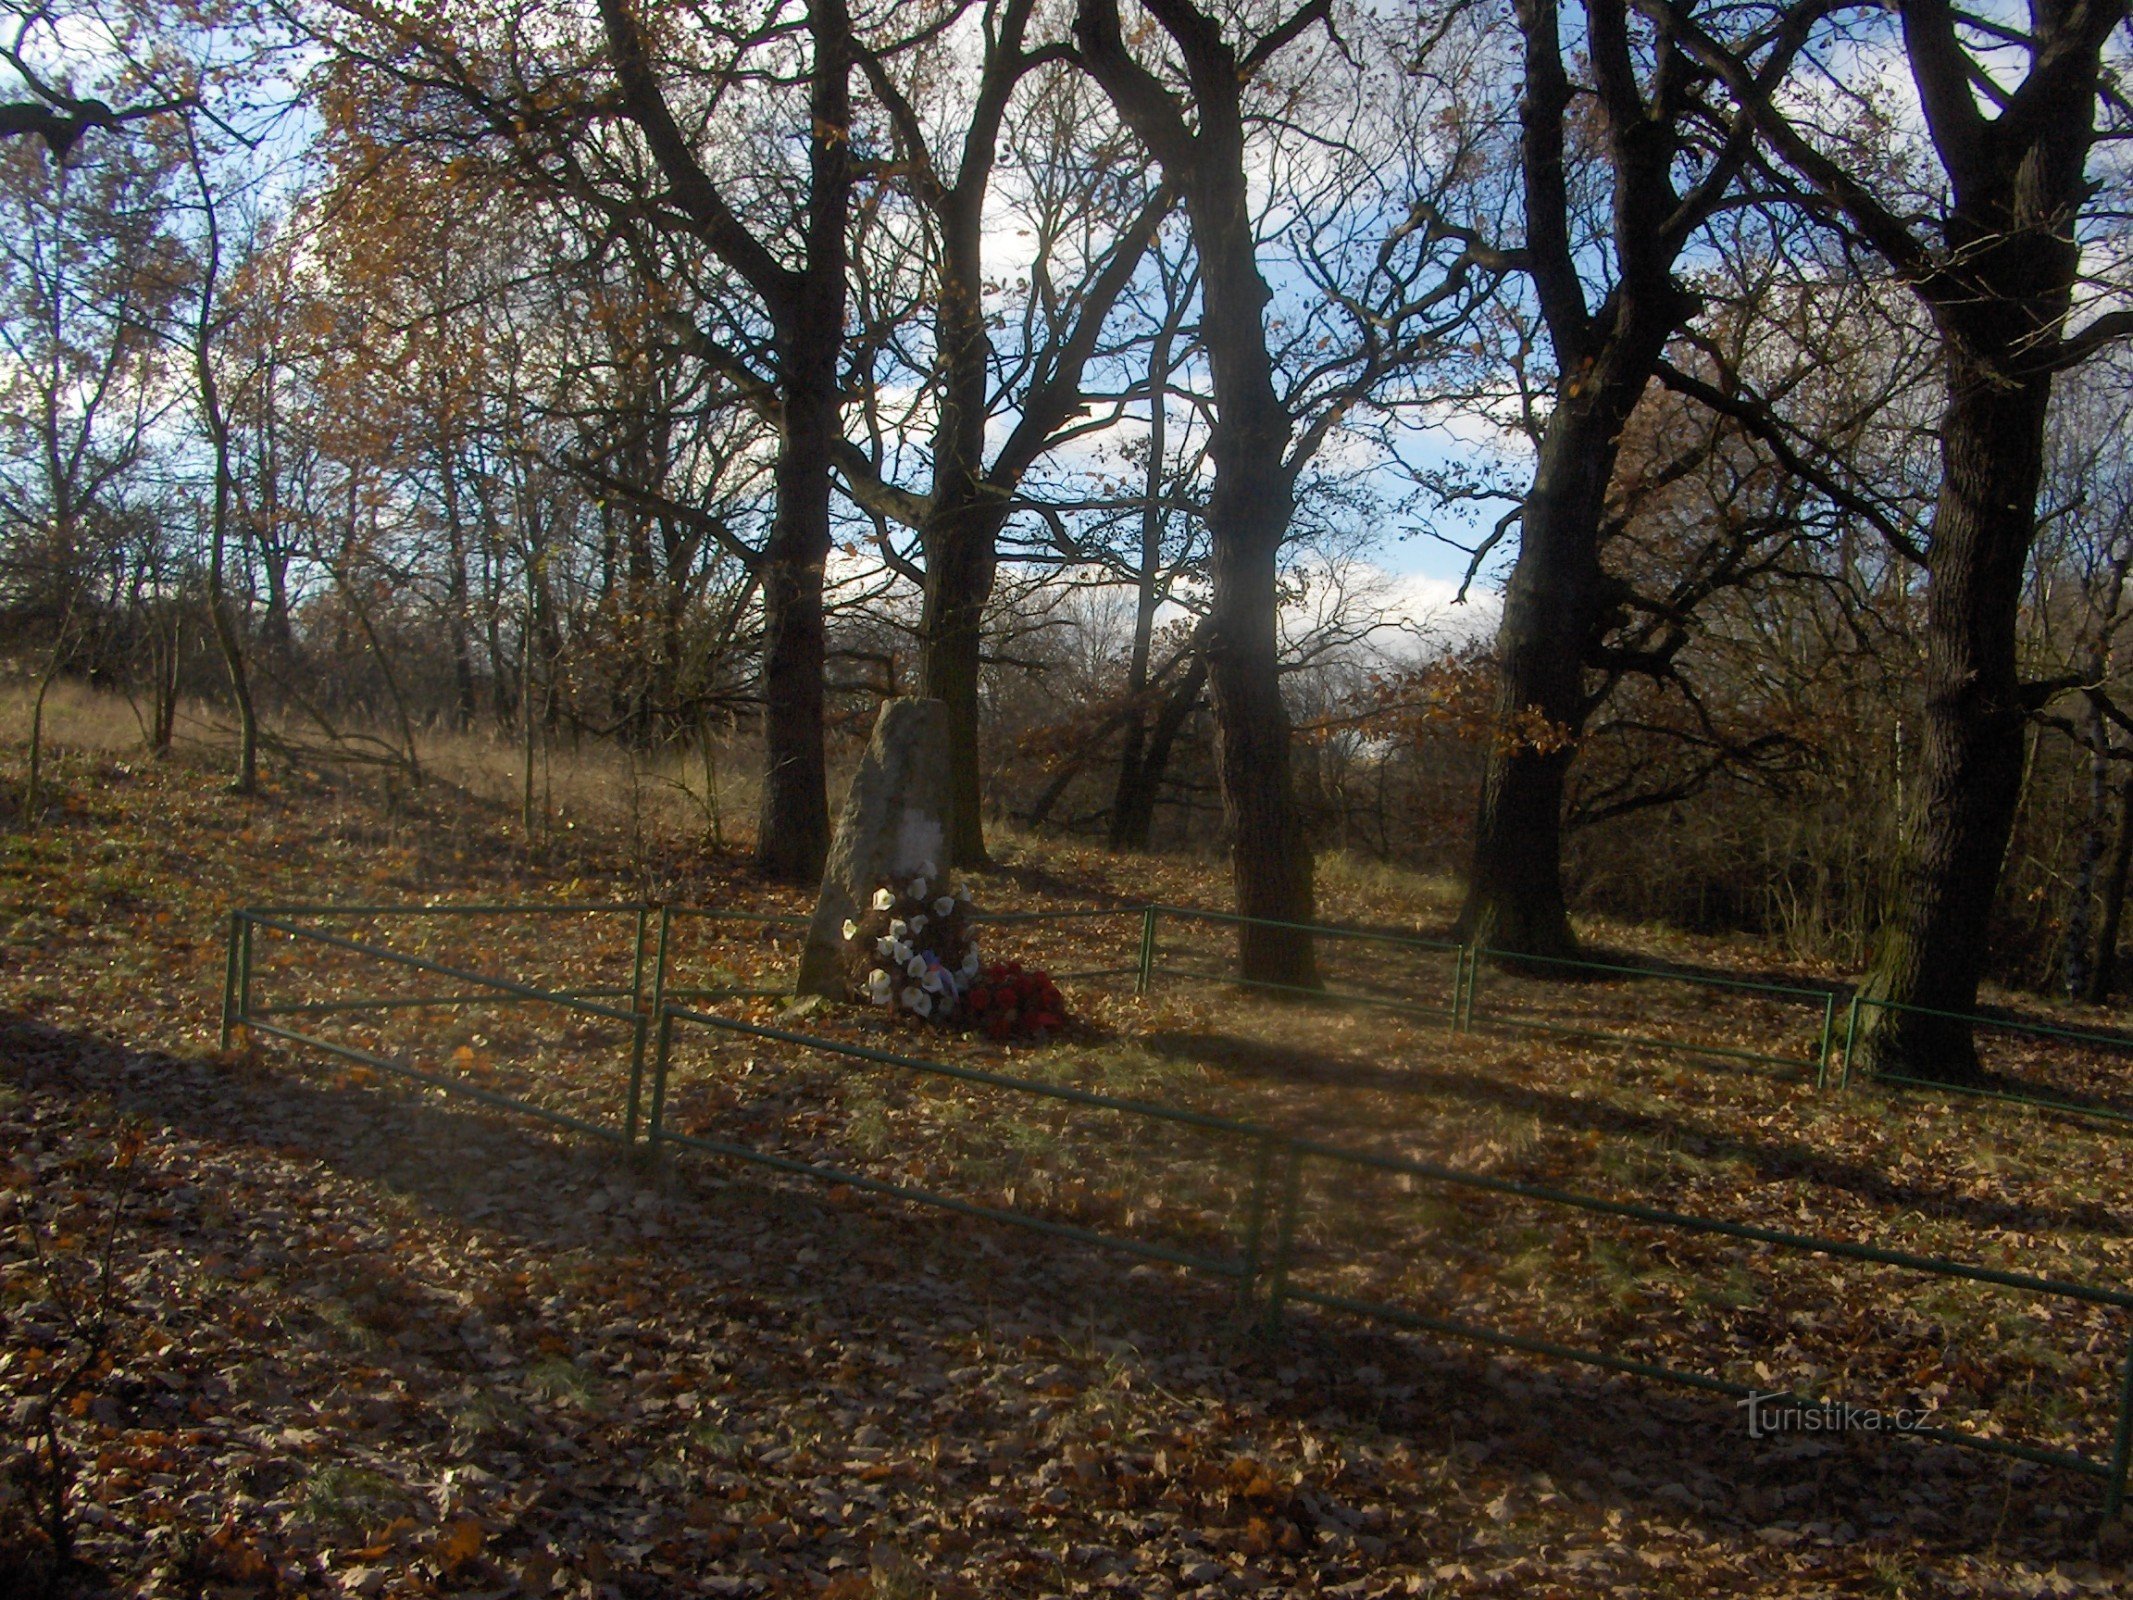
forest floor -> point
(368, 1339)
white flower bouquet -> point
(910, 950)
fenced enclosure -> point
(607, 1020)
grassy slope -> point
(378, 1341)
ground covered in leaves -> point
(361, 1338)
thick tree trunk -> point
(1551, 613)
(1931, 954)
(792, 828)
(961, 531)
(1248, 515)
(962, 544)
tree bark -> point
(1931, 953)
(1556, 607)
(1996, 272)
(1254, 493)
(792, 830)
(1551, 614)
(806, 311)
(2104, 968)
(1133, 808)
(792, 825)
(1132, 805)
(2078, 946)
(961, 540)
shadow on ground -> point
(740, 1237)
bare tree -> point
(1395, 291)
(1992, 243)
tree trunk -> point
(2088, 858)
(1133, 805)
(1932, 952)
(1133, 808)
(962, 556)
(792, 828)
(457, 595)
(1248, 515)
(2104, 968)
(1551, 611)
(170, 659)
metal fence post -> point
(229, 982)
(644, 1016)
(662, 1050)
(659, 959)
(1851, 1036)
(244, 970)
(1255, 1223)
(1284, 1239)
(1829, 1038)
(629, 1120)
(637, 961)
(1145, 972)
(2114, 1496)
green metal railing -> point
(1862, 1005)
(1264, 1275)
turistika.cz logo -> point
(1779, 1412)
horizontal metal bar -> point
(719, 914)
(996, 1080)
(968, 1208)
(1569, 1031)
(1415, 1006)
(1070, 913)
(1699, 979)
(420, 964)
(1976, 1019)
(448, 1085)
(315, 1008)
(1330, 930)
(2039, 1102)
(2066, 1459)
(1932, 1266)
(1806, 1243)
(535, 908)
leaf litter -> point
(373, 1341)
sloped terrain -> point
(364, 1338)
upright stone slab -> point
(893, 822)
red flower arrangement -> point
(1011, 1002)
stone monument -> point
(892, 825)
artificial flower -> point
(884, 899)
